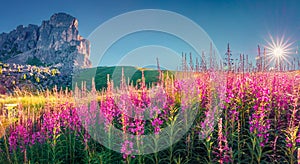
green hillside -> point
(132, 75)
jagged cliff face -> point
(55, 42)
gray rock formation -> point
(56, 42)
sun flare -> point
(279, 49)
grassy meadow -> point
(223, 118)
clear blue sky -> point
(242, 23)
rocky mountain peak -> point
(63, 20)
(55, 42)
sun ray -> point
(278, 50)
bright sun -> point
(278, 49)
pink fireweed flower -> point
(69, 119)
(259, 120)
(156, 123)
(145, 99)
(136, 126)
(27, 134)
(230, 104)
(124, 106)
(154, 112)
(127, 148)
(259, 124)
(12, 140)
(37, 137)
(188, 94)
(177, 85)
(108, 110)
(160, 103)
(51, 124)
(207, 126)
(19, 136)
(222, 151)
